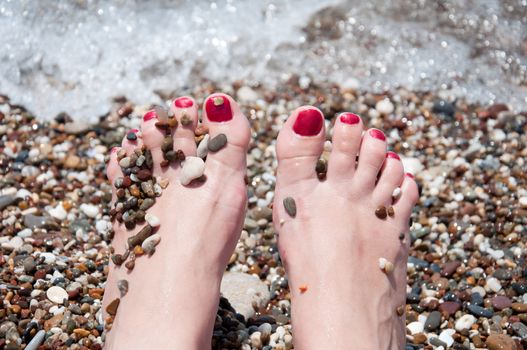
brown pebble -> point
(217, 142)
(117, 259)
(391, 211)
(500, 342)
(322, 166)
(180, 155)
(162, 125)
(130, 264)
(302, 289)
(290, 206)
(138, 238)
(111, 309)
(186, 120)
(400, 310)
(164, 163)
(144, 174)
(172, 123)
(380, 212)
(401, 237)
(167, 144)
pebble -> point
(415, 327)
(111, 309)
(90, 210)
(6, 200)
(433, 321)
(152, 220)
(193, 168)
(384, 106)
(149, 244)
(396, 193)
(464, 322)
(290, 206)
(217, 142)
(500, 342)
(36, 341)
(203, 147)
(479, 311)
(122, 285)
(500, 302)
(243, 291)
(125, 162)
(386, 265)
(381, 212)
(58, 212)
(493, 284)
(57, 294)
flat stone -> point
(6, 200)
(500, 302)
(464, 322)
(290, 206)
(217, 142)
(449, 268)
(500, 342)
(502, 274)
(57, 294)
(520, 329)
(519, 307)
(433, 321)
(479, 311)
(243, 290)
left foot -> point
(173, 295)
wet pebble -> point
(193, 168)
(217, 142)
(57, 294)
(149, 244)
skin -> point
(330, 249)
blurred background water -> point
(74, 56)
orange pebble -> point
(302, 289)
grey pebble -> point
(290, 206)
(479, 311)
(433, 321)
(6, 200)
(217, 142)
(122, 285)
(146, 204)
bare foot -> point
(173, 294)
(333, 247)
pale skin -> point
(330, 249)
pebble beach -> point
(467, 277)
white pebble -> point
(523, 202)
(384, 106)
(49, 258)
(36, 341)
(412, 165)
(149, 244)
(193, 168)
(203, 147)
(396, 193)
(493, 284)
(152, 220)
(27, 232)
(480, 290)
(57, 294)
(415, 327)
(58, 212)
(103, 226)
(386, 265)
(14, 243)
(446, 336)
(464, 322)
(90, 210)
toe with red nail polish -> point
(349, 118)
(149, 115)
(392, 155)
(183, 102)
(379, 135)
(309, 122)
(218, 109)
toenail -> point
(149, 115)
(410, 175)
(218, 109)
(349, 118)
(183, 102)
(377, 134)
(392, 155)
(308, 122)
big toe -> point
(299, 145)
(228, 135)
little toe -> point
(186, 112)
(346, 143)
(131, 140)
(409, 196)
(391, 177)
(113, 170)
(300, 144)
(371, 157)
(152, 138)
(229, 133)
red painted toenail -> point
(349, 118)
(218, 109)
(377, 134)
(410, 175)
(183, 102)
(392, 155)
(149, 115)
(308, 122)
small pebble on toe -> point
(162, 114)
(131, 136)
(149, 244)
(400, 310)
(381, 212)
(203, 147)
(122, 285)
(290, 206)
(111, 309)
(193, 168)
(302, 289)
(396, 193)
(217, 142)
(218, 101)
(152, 220)
(186, 120)
(391, 211)
(386, 265)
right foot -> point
(173, 295)
(331, 248)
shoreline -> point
(466, 278)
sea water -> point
(74, 56)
